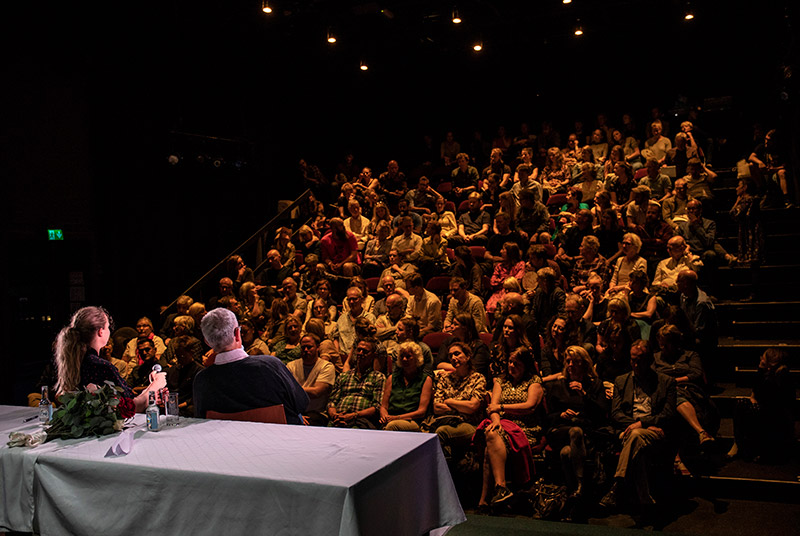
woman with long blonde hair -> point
(78, 362)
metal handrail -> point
(258, 235)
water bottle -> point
(152, 412)
(45, 407)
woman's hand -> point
(569, 414)
(158, 380)
(384, 418)
(492, 408)
(577, 386)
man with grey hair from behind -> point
(238, 382)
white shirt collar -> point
(230, 356)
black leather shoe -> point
(611, 498)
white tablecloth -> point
(220, 477)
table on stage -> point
(223, 477)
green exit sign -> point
(55, 234)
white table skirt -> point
(222, 477)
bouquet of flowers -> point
(84, 413)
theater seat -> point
(270, 414)
(435, 340)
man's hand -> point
(635, 426)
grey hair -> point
(218, 327)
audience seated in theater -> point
(473, 225)
(596, 299)
(680, 258)
(655, 233)
(512, 334)
(276, 320)
(457, 400)
(144, 327)
(490, 195)
(423, 305)
(703, 317)
(575, 311)
(630, 149)
(500, 168)
(225, 289)
(577, 410)
(376, 253)
(548, 298)
(660, 184)
(643, 412)
(526, 159)
(555, 174)
(399, 270)
(599, 146)
(322, 291)
(684, 366)
(238, 382)
(674, 207)
(763, 423)
(587, 261)
(572, 151)
(570, 240)
(381, 213)
(464, 330)
(340, 250)
(147, 358)
(464, 178)
(609, 232)
(636, 211)
(407, 330)
(656, 146)
(559, 334)
(746, 212)
(357, 223)
(770, 169)
(513, 426)
(538, 258)
(283, 244)
(466, 268)
(407, 393)
(182, 305)
(327, 349)
(464, 301)
(503, 233)
(433, 259)
(252, 344)
(532, 216)
(253, 307)
(527, 181)
(316, 376)
(273, 275)
(699, 181)
(344, 335)
(404, 211)
(510, 265)
(407, 243)
(288, 348)
(356, 398)
(628, 262)
(613, 352)
(183, 326)
(620, 185)
(445, 218)
(386, 323)
(237, 271)
(642, 303)
(587, 183)
(513, 303)
(180, 375)
(392, 184)
(389, 287)
(422, 199)
(701, 235)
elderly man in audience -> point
(399, 270)
(144, 327)
(643, 410)
(298, 305)
(463, 301)
(680, 259)
(408, 243)
(423, 305)
(316, 376)
(674, 208)
(386, 323)
(357, 393)
(389, 285)
(655, 233)
(701, 235)
(238, 382)
(339, 249)
(344, 334)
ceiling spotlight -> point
(688, 16)
(566, 1)
(478, 46)
(456, 17)
(265, 7)
(578, 29)
(363, 66)
(331, 37)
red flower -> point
(126, 407)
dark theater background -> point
(98, 95)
